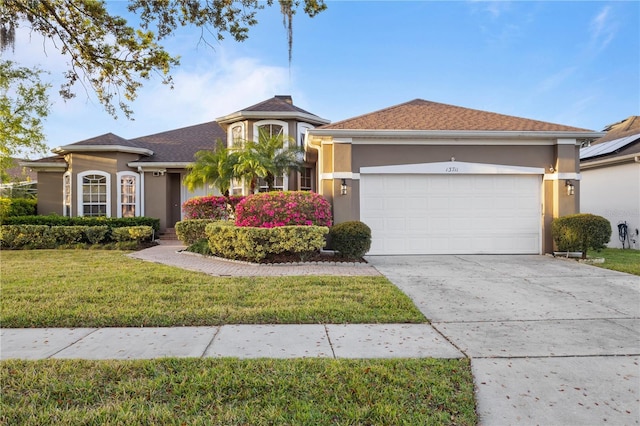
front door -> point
(175, 207)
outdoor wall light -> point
(570, 188)
(343, 187)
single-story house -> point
(610, 169)
(426, 177)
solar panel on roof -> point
(606, 147)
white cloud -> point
(556, 80)
(603, 29)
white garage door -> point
(452, 214)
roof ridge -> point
(441, 116)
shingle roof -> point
(419, 114)
(621, 129)
(180, 145)
(104, 140)
(622, 139)
(279, 103)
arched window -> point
(94, 195)
(128, 194)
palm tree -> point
(212, 168)
(270, 157)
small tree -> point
(214, 167)
(580, 232)
(271, 156)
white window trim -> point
(120, 175)
(302, 129)
(230, 141)
(257, 124)
(80, 191)
(66, 176)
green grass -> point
(86, 288)
(619, 260)
(238, 392)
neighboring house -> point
(17, 179)
(610, 186)
(426, 177)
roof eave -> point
(248, 115)
(629, 158)
(461, 134)
(44, 166)
(101, 148)
(159, 164)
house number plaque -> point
(451, 170)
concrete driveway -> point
(551, 341)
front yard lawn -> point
(238, 392)
(619, 260)
(91, 288)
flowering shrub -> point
(234, 200)
(209, 207)
(278, 208)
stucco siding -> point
(50, 193)
(394, 153)
(614, 193)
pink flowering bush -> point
(283, 208)
(208, 207)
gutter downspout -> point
(309, 145)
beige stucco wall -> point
(111, 163)
(50, 193)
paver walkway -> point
(168, 252)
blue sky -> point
(573, 63)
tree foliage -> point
(111, 57)
(267, 158)
(212, 168)
(23, 105)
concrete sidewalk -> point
(240, 341)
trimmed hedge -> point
(17, 237)
(193, 230)
(111, 222)
(580, 232)
(255, 244)
(283, 208)
(11, 207)
(351, 239)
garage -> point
(452, 208)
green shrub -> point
(96, 234)
(12, 207)
(192, 230)
(26, 237)
(132, 233)
(200, 247)
(580, 232)
(255, 244)
(57, 220)
(351, 239)
(64, 235)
